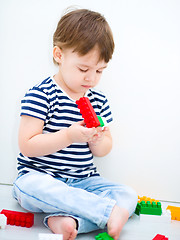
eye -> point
(83, 70)
(99, 72)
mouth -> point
(86, 86)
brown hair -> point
(82, 30)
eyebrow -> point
(83, 65)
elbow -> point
(103, 152)
(25, 150)
(27, 153)
(100, 154)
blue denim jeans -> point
(88, 200)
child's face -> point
(78, 73)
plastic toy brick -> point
(88, 113)
(144, 198)
(102, 121)
(164, 218)
(3, 221)
(153, 208)
(138, 207)
(103, 236)
(160, 237)
(150, 208)
(19, 218)
(175, 212)
(47, 236)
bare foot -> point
(63, 225)
(118, 218)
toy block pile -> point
(19, 218)
(150, 210)
(88, 113)
(148, 206)
(152, 207)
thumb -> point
(82, 123)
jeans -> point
(89, 200)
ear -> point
(57, 54)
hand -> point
(99, 136)
(77, 132)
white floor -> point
(133, 230)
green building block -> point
(103, 236)
(101, 121)
(137, 211)
(150, 208)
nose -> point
(90, 77)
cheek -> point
(72, 78)
(98, 79)
(68, 74)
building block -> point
(3, 221)
(103, 236)
(164, 218)
(153, 208)
(150, 208)
(88, 113)
(160, 237)
(47, 236)
(103, 122)
(144, 198)
(137, 210)
(19, 218)
(175, 212)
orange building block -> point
(175, 212)
(144, 198)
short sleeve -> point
(35, 104)
(106, 111)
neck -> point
(73, 95)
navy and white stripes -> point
(48, 102)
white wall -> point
(142, 83)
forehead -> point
(91, 59)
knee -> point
(132, 199)
(126, 197)
(127, 193)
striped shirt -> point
(48, 102)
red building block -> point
(88, 113)
(19, 218)
(160, 237)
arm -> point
(33, 143)
(101, 143)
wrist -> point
(69, 135)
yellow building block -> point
(175, 212)
(144, 198)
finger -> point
(82, 123)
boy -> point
(56, 171)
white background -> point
(142, 84)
